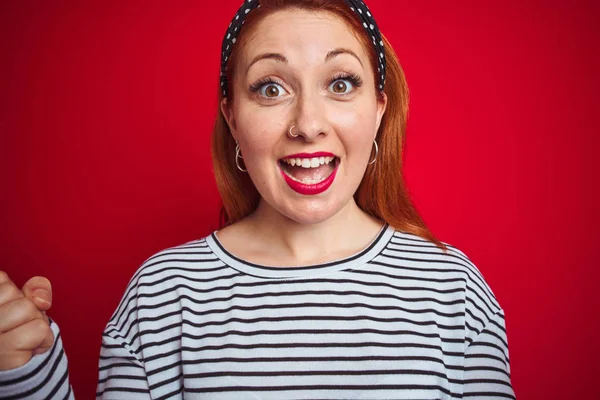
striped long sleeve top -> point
(399, 320)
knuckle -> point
(10, 291)
(4, 276)
(49, 332)
(27, 307)
(40, 326)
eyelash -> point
(353, 78)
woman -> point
(324, 281)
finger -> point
(9, 291)
(18, 312)
(39, 290)
(45, 316)
(29, 336)
(4, 277)
(46, 343)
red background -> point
(106, 110)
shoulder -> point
(166, 269)
(191, 256)
(416, 248)
(408, 250)
(160, 269)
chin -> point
(311, 212)
(313, 206)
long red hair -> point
(382, 192)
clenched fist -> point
(24, 326)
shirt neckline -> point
(355, 260)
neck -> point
(343, 234)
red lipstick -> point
(310, 155)
(310, 189)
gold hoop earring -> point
(376, 153)
(238, 156)
(290, 134)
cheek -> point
(356, 127)
(346, 119)
(258, 133)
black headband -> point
(358, 6)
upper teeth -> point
(308, 162)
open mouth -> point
(309, 174)
(309, 171)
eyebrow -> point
(281, 58)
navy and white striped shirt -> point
(399, 320)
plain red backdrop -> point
(106, 110)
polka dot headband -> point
(358, 6)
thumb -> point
(39, 290)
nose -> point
(310, 116)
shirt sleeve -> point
(121, 375)
(487, 364)
(45, 376)
(121, 371)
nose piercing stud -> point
(290, 134)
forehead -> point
(301, 31)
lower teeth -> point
(306, 181)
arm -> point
(121, 370)
(487, 366)
(33, 364)
(121, 374)
(45, 376)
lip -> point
(310, 155)
(306, 189)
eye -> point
(267, 88)
(271, 90)
(341, 86)
(344, 84)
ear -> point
(381, 106)
(227, 112)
